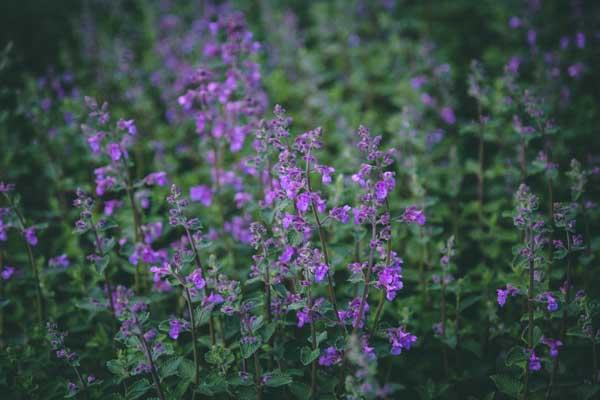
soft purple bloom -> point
(553, 345)
(390, 279)
(514, 22)
(71, 388)
(30, 236)
(447, 115)
(531, 37)
(6, 187)
(351, 315)
(326, 174)
(110, 206)
(201, 193)
(59, 261)
(303, 202)
(303, 316)
(413, 215)
(114, 150)
(175, 327)
(534, 362)
(214, 298)
(552, 304)
(575, 70)
(127, 125)
(513, 65)
(330, 356)
(158, 178)
(400, 340)
(7, 272)
(95, 142)
(418, 81)
(504, 293)
(580, 40)
(321, 272)
(341, 214)
(196, 278)
(287, 254)
(381, 191)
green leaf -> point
(507, 385)
(248, 349)
(300, 391)
(187, 369)
(101, 264)
(116, 367)
(138, 389)
(170, 366)
(469, 301)
(307, 355)
(321, 337)
(268, 331)
(279, 380)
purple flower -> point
(321, 272)
(575, 70)
(7, 272)
(447, 115)
(326, 174)
(553, 345)
(531, 37)
(95, 142)
(381, 191)
(534, 362)
(580, 39)
(30, 236)
(114, 150)
(303, 202)
(514, 22)
(330, 356)
(413, 215)
(351, 315)
(127, 125)
(391, 280)
(59, 261)
(287, 254)
(201, 193)
(400, 340)
(196, 278)
(6, 187)
(504, 293)
(110, 206)
(341, 214)
(175, 327)
(303, 316)
(552, 304)
(513, 65)
(71, 388)
(158, 178)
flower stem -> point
(153, 371)
(188, 299)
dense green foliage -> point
(489, 110)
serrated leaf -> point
(170, 366)
(116, 367)
(138, 389)
(249, 348)
(507, 385)
(187, 369)
(278, 380)
(101, 264)
(307, 355)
